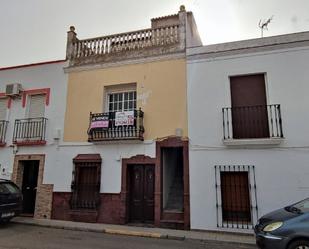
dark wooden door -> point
(29, 186)
(249, 106)
(142, 193)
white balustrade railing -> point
(125, 41)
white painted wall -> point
(282, 171)
(34, 77)
(59, 155)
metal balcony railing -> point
(262, 121)
(30, 130)
(3, 128)
(114, 131)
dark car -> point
(10, 200)
(286, 228)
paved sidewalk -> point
(140, 231)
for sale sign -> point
(124, 118)
(100, 121)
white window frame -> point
(117, 89)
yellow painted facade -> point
(161, 94)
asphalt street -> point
(17, 236)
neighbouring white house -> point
(32, 108)
(248, 113)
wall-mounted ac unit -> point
(13, 89)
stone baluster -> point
(102, 47)
(91, 43)
(148, 34)
(140, 40)
(81, 44)
(108, 46)
(87, 49)
(157, 36)
(96, 46)
(167, 35)
(129, 41)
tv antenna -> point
(263, 25)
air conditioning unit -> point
(13, 89)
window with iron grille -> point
(236, 196)
(86, 182)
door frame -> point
(143, 168)
(44, 195)
(24, 169)
(173, 142)
(125, 188)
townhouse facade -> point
(32, 100)
(249, 142)
(125, 144)
(150, 127)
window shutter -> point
(3, 108)
(36, 106)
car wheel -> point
(299, 244)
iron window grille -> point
(86, 185)
(236, 196)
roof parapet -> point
(167, 35)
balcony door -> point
(34, 126)
(249, 107)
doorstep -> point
(139, 231)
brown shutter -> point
(235, 196)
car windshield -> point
(303, 206)
(8, 188)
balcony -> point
(166, 37)
(122, 46)
(252, 125)
(30, 131)
(107, 127)
(3, 128)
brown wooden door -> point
(142, 193)
(249, 106)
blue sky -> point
(35, 30)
